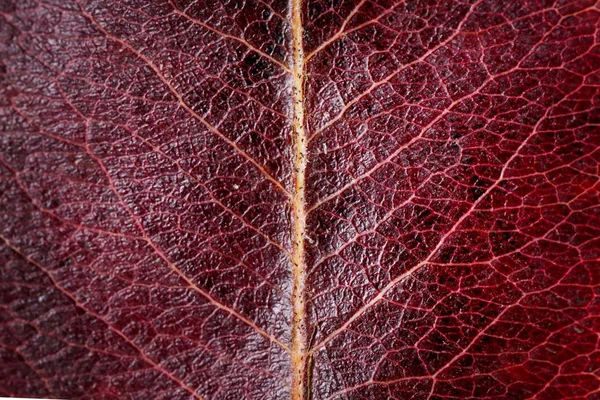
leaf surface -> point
(316, 199)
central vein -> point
(299, 216)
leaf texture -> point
(349, 199)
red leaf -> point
(316, 200)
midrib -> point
(299, 216)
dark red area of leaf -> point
(146, 167)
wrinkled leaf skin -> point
(452, 238)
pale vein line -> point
(340, 31)
(52, 214)
(422, 58)
(591, 374)
(91, 229)
(298, 354)
(210, 193)
(228, 36)
(155, 148)
(204, 347)
(377, 19)
(143, 355)
(145, 237)
(181, 72)
(496, 319)
(517, 302)
(52, 333)
(441, 242)
(445, 112)
(84, 228)
(163, 256)
(391, 76)
(182, 103)
(190, 283)
(377, 225)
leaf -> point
(315, 200)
